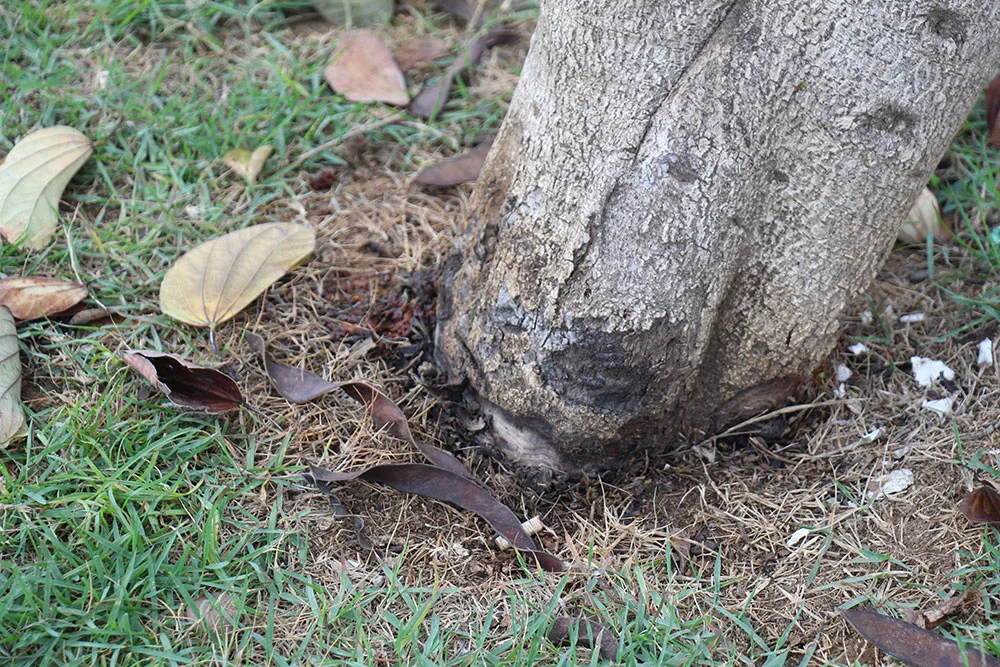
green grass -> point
(117, 515)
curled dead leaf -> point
(462, 168)
(36, 297)
(219, 278)
(982, 505)
(363, 70)
(32, 180)
(184, 383)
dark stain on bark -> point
(681, 167)
(889, 118)
(594, 372)
(948, 24)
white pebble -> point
(858, 349)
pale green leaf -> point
(11, 411)
(32, 180)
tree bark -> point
(682, 199)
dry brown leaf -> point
(993, 112)
(215, 612)
(184, 383)
(219, 278)
(433, 96)
(11, 411)
(414, 53)
(36, 297)
(247, 164)
(982, 506)
(363, 70)
(295, 385)
(32, 180)
(589, 633)
(936, 615)
(462, 168)
(912, 645)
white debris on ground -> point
(912, 318)
(858, 349)
(797, 537)
(843, 373)
(942, 406)
(866, 318)
(871, 436)
(984, 353)
(894, 484)
(927, 371)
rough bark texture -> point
(682, 199)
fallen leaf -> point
(936, 615)
(216, 611)
(923, 218)
(589, 634)
(448, 479)
(433, 96)
(912, 645)
(982, 506)
(11, 411)
(32, 180)
(363, 70)
(184, 383)
(90, 315)
(221, 277)
(294, 384)
(433, 482)
(36, 297)
(247, 164)
(463, 168)
(993, 112)
(356, 13)
(416, 52)
(387, 414)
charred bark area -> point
(680, 203)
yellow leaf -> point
(32, 180)
(219, 278)
(245, 163)
(11, 412)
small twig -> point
(357, 131)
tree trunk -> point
(682, 199)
